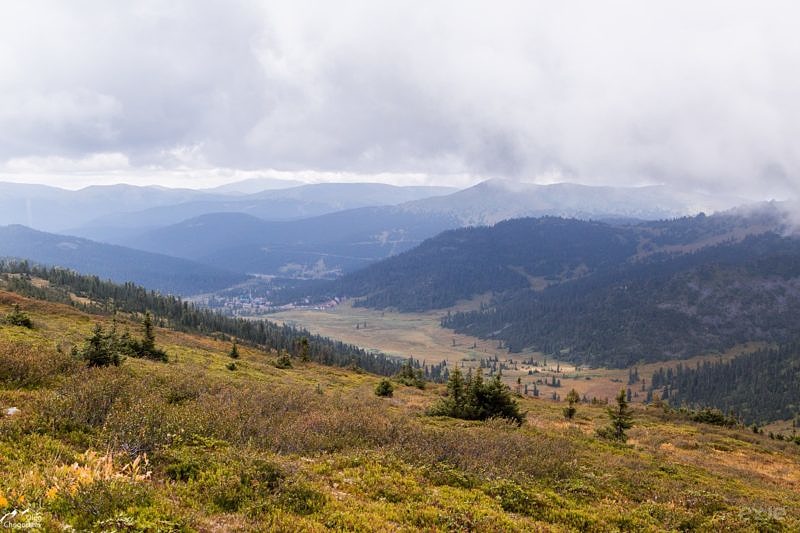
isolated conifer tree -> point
(456, 390)
(147, 346)
(19, 318)
(234, 353)
(621, 417)
(304, 349)
(101, 349)
(149, 338)
(572, 399)
(384, 388)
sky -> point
(698, 95)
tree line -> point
(757, 387)
(106, 297)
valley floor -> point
(419, 335)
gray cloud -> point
(698, 95)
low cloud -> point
(699, 96)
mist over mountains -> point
(495, 200)
(99, 211)
(316, 230)
(275, 228)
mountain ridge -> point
(156, 271)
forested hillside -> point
(602, 293)
(757, 387)
(510, 256)
(695, 303)
(95, 295)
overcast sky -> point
(701, 95)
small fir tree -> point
(102, 349)
(17, 317)
(146, 348)
(283, 361)
(476, 399)
(621, 417)
(384, 388)
(304, 349)
(409, 376)
(572, 399)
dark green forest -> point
(519, 254)
(756, 387)
(674, 307)
(459, 264)
(600, 293)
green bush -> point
(384, 388)
(301, 499)
(714, 417)
(17, 317)
(184, 470)
(515, 499)
(283, 361)
(572, 399)
(101, 500)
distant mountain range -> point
(275, 205)
(254, 185)
(348, 239)
(603, 293)
(108, 212)
(53, 209)
(315, 231)
(154, 271)
(495, 200)
(323, 246)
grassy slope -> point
(311, 447)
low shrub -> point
(17, 317)
(22, 365)
(384, 388)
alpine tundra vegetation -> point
(186, 445)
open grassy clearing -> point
(419, 335)
(312, 448)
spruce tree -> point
(384, 388)
(101, 349)
(18, 318)
(572, 399)
(476, 399)
(303, 343)
(621, 417)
